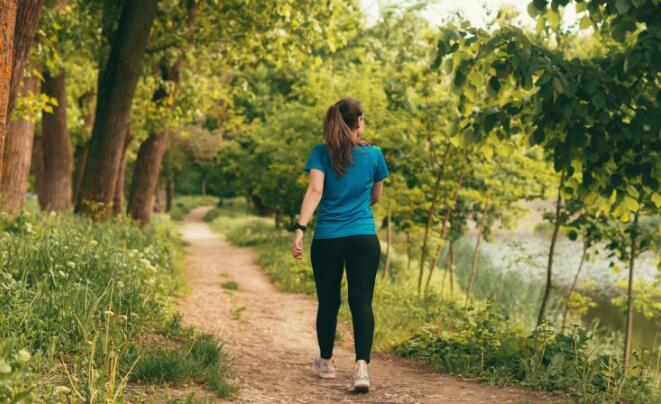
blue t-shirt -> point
(345, 209)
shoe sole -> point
(327, 376)
(361, 388)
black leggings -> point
(361, 256)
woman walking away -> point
(346, 178)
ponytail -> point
(341, 119)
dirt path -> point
(271, 337)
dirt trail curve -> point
(273, 340)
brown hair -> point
(341, 120)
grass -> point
(199, 359)
(230, 285)
(485, 340)
(77, 297)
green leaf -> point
(540, 4)
(557, 84)
(598, 100)
(494, 86)
(622, 6)
(638, 3)
(586, 22)
(656, 198)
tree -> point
(18, 152)
(117, 83)
(18, 24)
(56, 147)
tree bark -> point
(476, 250)
(116, 88)
(56, 147)
(118, 199)
(145, 177)
(629, 325)
(425, 239)
(408, 252)
(79, 158)
(549, 266)
(7, 24)
(573, 286)
(27, 20)
(386, 267)
(39, 171)
(169, 192)
(17, 156)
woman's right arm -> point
(310, 202)
(377, 190)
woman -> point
(346, 178)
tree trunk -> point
(437, 254)
(17, 156)
(79, 158)
(386, 267)
(39, 172)
(549, 266)
(408, 252)
(425, 239)
(451, 265)
(7, 24)
(476, 251)
(145, 178)
(56, 147)
(116, 88)
(169, 192)
(573, 285)
(118, 199)
(629, 325)
(443, 232)
(27, 20)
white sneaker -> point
(361, 380)
(325, 370)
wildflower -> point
(23, 356)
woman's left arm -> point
(310, 202)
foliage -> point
(76, 295)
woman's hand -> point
(297, 244)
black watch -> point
(299, 226)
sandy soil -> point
(271, 337)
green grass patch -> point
(75, 295)
(199, 359)
(230, 285)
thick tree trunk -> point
(386, 267)
(7, 24)
(145, 177)
(56, 147)
(17, 156)
(629, 325)
(116, 88)
(118, 199)
(549, 265)
(573, 285)
(79, 158)
(27, 20)
(38, 170)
